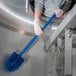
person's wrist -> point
(36, 21)
(59, 12)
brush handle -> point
(36, 36)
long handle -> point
(36, 36)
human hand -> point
(59, 12)
(37, 28)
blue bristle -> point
(13, 62)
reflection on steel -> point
(2, 6)
(27, 5)
(15, 18)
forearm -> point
(37, 28)
(37, 14)
(38, 8)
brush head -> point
(13, 62)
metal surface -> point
(68, 53)
(74, 62)
(66, 23)
(13, 15)
(27, 5)
(36, 64)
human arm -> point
(59, 12)
(38, 11)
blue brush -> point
(15, 60)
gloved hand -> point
(37, 28)
(59, 12)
